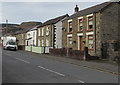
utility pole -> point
(6, 26)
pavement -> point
(99, 66)
(27, 67)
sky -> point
(18, 12)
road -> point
(0, 65)
(24, 67)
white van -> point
(9, 43)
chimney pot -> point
(76, 9)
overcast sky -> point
(17, 12)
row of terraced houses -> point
(96, 28)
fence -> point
(37, 49)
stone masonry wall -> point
(109, 31)
(98, 35)
(64, 33)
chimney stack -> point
(76, 9)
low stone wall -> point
(21, 47)
(76, 54)
(58, 51)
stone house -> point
(50, 33)
(21, 37)
(96, 27)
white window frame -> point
(90, 15)
(47, 42)
(47, 31)
(39, 32)
(68, 25)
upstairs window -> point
(90, 22)
(39, 32)
(70, 27)
(47, 31)
(80, 24)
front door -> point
(81, 40)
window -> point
(47, 31)
(70, 40)
(70, 27)
(90, 41)
(38, 42)
(28, 34)
(80, 24)
(116, 45)
(47, 42)
(11, 43)
(90, 22)
(38, 32)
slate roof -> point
(53, 21)
(90, 10)
(34, 28)
(27, 26)
(21, 31)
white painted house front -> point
(31, 37)
(58, 33)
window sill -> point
(69, 32)
(90, 49)
(89, 30)
(80, 31)
(41, 36)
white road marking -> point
(81, 81)
(22, 60)
(51, 71)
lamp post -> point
(6, 25)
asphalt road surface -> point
(23, 67)
(0, 65)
